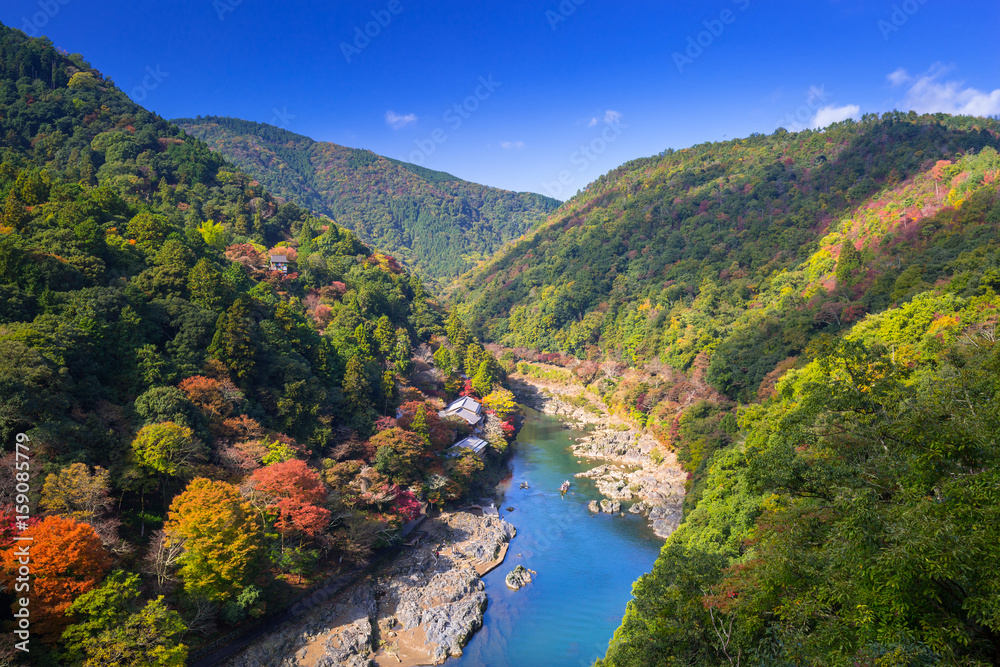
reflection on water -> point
(586, 565)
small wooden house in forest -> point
(465, 408)
(279, 263)
(472, 443)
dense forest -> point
(435, 222)
(208, 433)
(809, 321)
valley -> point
(268, 400)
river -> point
(585, 564)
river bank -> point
(418, 609)
(654, 484)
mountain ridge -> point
(436, 222)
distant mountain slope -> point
(438, 223)
(747, 249)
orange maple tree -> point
(294, 492)
(66, 560)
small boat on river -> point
(565, 487)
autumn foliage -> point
(294, 493)
(221, 534)
(67, 560)
(440, 432)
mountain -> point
(747, 248)
(189, 429)
(439, 224)
(808, 320)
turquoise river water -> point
(585, 564)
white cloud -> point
(397, 122)
(831, 114)
(512, 145)
(928, 93)
(899, 77)
(610, 117)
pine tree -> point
(14, 214)
(233, 343)
(206, 285)
(358, 397)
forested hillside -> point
(439, 224)
(207, 434)
(809, 321)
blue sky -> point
(539, 95)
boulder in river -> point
(594, 507)
(518, 577)
(611, 506)
(639, 508)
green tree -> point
(167, 448)
(149, 230)
(234, 341)
(458, 334)
(385, 337)
(474, 356)
(419, 424)
(848, 263)
(99, 610)
(443, 360)
(358, 402)
(148, 638)
(214, 234)
(488, 375)
(14, 214)
(206, 286)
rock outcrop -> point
(427, 603)
(655, 486)
(611, 506)
(519, 577)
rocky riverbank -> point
(654, 485)
(417, 610)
